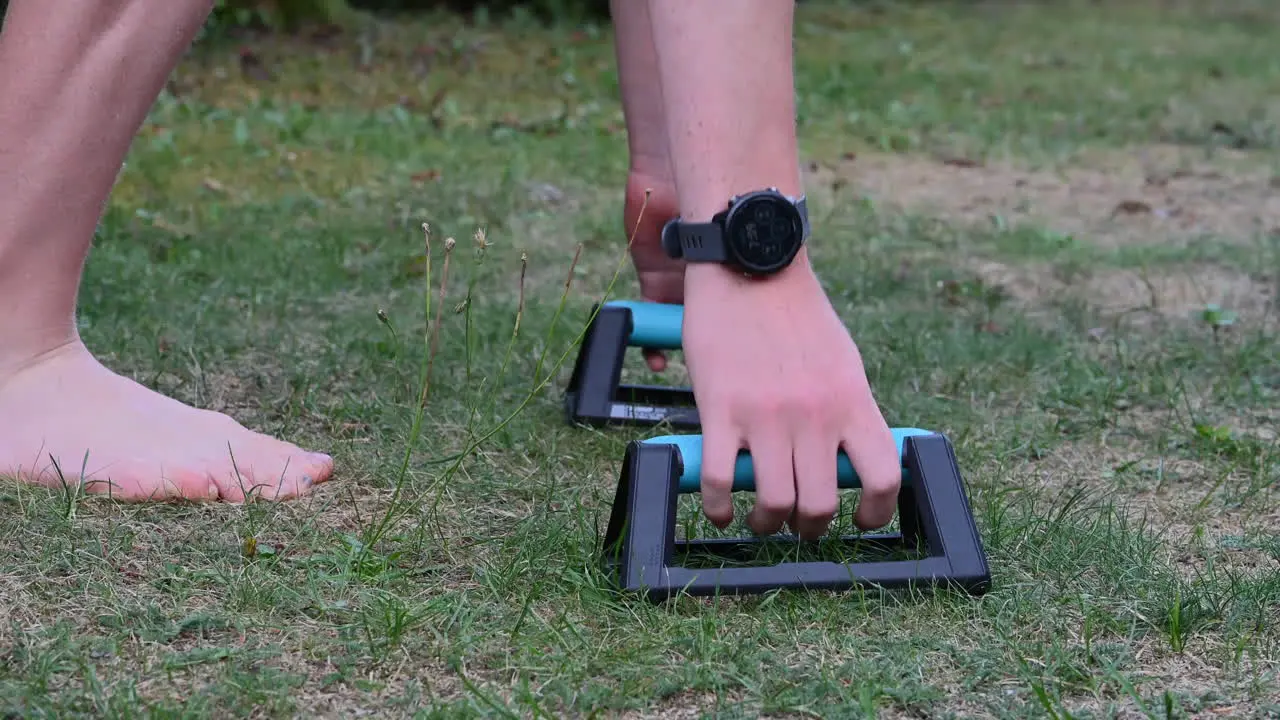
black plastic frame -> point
(595, 395)
(934, 516)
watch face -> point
(765, 232)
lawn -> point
(1053, 228)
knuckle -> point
(819, 510)
(796, 405)
(717, 483)
(882, 484)
(716, 407)
(816, 404)
(764, 405)
(718, 515)
(775, 504)
(818, 401)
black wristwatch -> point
(759, 233)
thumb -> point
(657, 292)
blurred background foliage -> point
(284, 15)
(289, 14)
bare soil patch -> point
(1145, 195)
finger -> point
(720, 447)
(815, 472)
(775, 479)
(874, 456)
(656, 359)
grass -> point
(263, 255)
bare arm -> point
(774, 369)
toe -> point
(298, 474)
(275, 473)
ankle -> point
(20, 351)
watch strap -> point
(694, 242)
(704, 242)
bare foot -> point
(116, 436)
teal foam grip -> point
(690, 447)
(653, 325)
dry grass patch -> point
(1178, 497)
(686, 705)
(1188, 673)
(1168, 295)
(1145, 195)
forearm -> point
(729, 94)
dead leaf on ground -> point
(252, 67)
(961, 162)
(990, 328)
(1131, 207)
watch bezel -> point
(736, 211)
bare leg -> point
(76, 82)
(774, 370)
(661, 278)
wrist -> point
(704, 203)
(770, 162)
(798, 276)
(751, 244)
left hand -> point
(661, 277)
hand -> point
(775, 371)
(661, 277)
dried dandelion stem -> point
(415, 432)
(515, 333)
(434, 343)
(475, 443)
(482, 244)
(639, 216)
(524, 269)
(555, 320)
(573, 267)
(457, 459)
